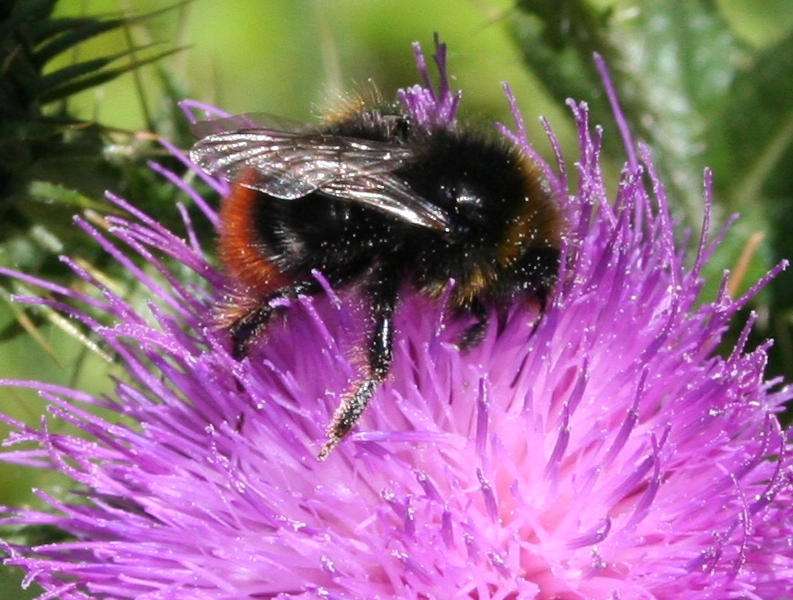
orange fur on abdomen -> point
(241, 252)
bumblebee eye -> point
(469, 205)
(402, 128)
(453, 197)
(468, 200)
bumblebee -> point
(379, 201)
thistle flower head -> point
(605, 451)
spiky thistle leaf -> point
(52, 162)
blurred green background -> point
(704, 83)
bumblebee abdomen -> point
(337, 238)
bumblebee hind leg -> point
(382, 292)
(246, 330)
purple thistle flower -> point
(605, 452)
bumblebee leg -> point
(474, 335)
(246, 330)
(382, 293)
(542, 298)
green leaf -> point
(72, 72)
(65, 34)
(16, 15)
(757, 128)
(50, 90)
(698, 95)
(671, 64)
(45, 191)
(62, 34)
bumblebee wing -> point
(388, 194)
(292, 164)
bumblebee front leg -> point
(382, 296)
